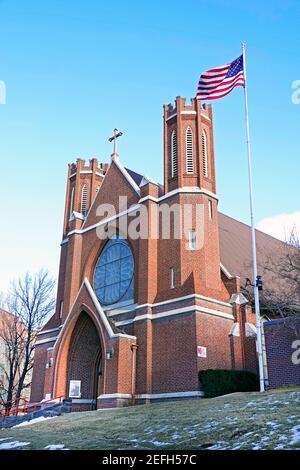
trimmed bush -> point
(215, 382)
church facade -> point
(137, 317)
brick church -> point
(137, 318)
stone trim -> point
(155, 396)
(100, 311)
(170, 301)
(83, 401)
(189, 309)
(43, 332)
(47, 340)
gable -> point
(117, 183)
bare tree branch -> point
(30, 302)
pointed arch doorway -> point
(85, 364)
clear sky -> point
(74, 70)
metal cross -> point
(114, 138)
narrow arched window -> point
(84, 200)
(174, 153)
(189, 151)
(72, 202)
(204, 154)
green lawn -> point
(269, 420)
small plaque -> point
(75, 389)
(201, 351)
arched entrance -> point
(85, 374)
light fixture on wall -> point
(109, 354)
(49, 363)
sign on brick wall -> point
(75, 389)
(201, 351)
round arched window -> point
(114, 272)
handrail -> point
(14, 407)
(33, 406)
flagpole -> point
(254, 260)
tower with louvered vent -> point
(188, 146)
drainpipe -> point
(134, 348)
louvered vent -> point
(174, 153)
(204, 154)
(189, 151)
(84, 200)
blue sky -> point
(74, 70)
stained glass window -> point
(113, 278)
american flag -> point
(218, 82)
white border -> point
(100, 311)
(153, 396)
(191, 308)
(135, 207)
(47, 340)
(170, 301)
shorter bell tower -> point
(83, 182)
(188, 146)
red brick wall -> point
(280, 336)
(174, 356)
(38, 376)
(213, 333)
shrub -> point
(215, 382)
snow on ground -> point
(33, 421)
(56, 447)
(13, 445)
(296, 434)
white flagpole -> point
(255, 288)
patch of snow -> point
(250, 403)
(159, 444)
(218, 446)
(237, 447)
(296, 434)
(231, 420)
(274, 425)
(13, 445)
(33, 421)
(56, 447)
(279, 447)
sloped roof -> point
(236, 249)
(137, 178)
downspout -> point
(134, 348)
(242, 313)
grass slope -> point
(238, 421)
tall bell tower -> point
(190, 181)
(188, 146)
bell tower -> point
(83, 182)
(189, 172)
(188, 146)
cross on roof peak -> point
(113, 139)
